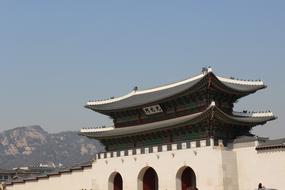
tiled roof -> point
(269, 144)
(211, 111)
(55, 173)
(141, 97)
(245, 139)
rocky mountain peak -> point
(23, 146)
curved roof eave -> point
(240, 120)
(140, 97)
(189, 119)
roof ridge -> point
(228, 82)
(137, 92)
(254, 113)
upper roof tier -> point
(141, 97)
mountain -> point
(30, 146)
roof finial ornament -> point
(206, 70)
(210, 69)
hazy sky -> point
(55, 56)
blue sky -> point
(56, 55)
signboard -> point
(152, 110)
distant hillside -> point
(25, 146)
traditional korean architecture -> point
(193, 109)
(178, 137)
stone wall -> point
(216, 168)
(260, 166)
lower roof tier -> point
(211, 113)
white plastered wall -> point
(229, 167)
(216, 168)
(76, 180)
(206, 163)
(264, 166)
